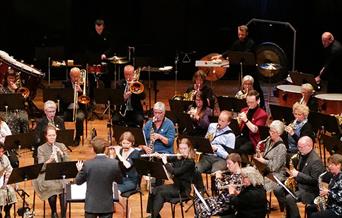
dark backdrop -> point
(166, 28)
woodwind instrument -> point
(257, 148)
(321, 201)
(290, 182)
(166, 154)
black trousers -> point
(100, 215)
(79, 120)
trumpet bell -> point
(136, 87)
(25, 92)
(83, 99)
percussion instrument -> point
(289, 94)
(330, 103)
(96, 69)
(215, 69)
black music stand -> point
(21, 140)
(137, 132)
(62, 96)
(200, 143)
(61, 170)
(299, 78)
(66, 137)
(179, 106)
(11, 102)
(24, 174)
(281, 113)
(231, 103)
(332, 143)
(185, 123)
(241, 58)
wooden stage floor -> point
(84, 152)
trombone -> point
(82, 99)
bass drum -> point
(269, 52)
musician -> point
(7, 193)
(222, 180)
(4, 130)
(125, 155)
(247, 85)
(332, 63)
(334, 192)
(199, 113)
(50, 118)
(273, 157)
(308, 99)
(200, 85)
(159, 132)
(51, 152)
(299, 127)
(17, 120)
(251, 200)
(132, 112)
(99, 173)
(75, 83)
(182, 170)
(251, 118)
(306, 174)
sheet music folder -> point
(200, 143)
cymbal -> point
(118, 61)
(116, 58)
(270, 66)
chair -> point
(128, 194)
(178, 200)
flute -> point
(157, 155)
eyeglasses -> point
(54, 111)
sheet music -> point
(78, 192)
(2, 180)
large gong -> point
(271, 61)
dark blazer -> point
(307, 178)
(251, 202)
(306, 130)
(99, 173)
(42, 124)
(135, 99)
(259, 118)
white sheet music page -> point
(78, 191)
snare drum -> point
(330, 103)
(289, 94)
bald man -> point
(74, 82)
(306, 175)
(332, 65)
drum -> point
(330, 103)
(289, 94)
(96, 69)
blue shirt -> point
(167, 129)
(221, 140)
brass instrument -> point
(25, 92)
(84, 99)
(290, 182)
(135, 86)
(189, 96)
(241, 94)
(321, 201)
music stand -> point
(21, 140)
(179, 106)
(281, 113)
(332, 143)
(59, 95)
(24, 174)
(200, 143)
(324, 122)
(66, 137)
(137, 132)
(242, 58)
(185, 122)
(299, 78)
(11, 102)
(231, 103)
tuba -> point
(135, 86)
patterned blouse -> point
(335, 194)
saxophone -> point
(321, 201)
(290, 182)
